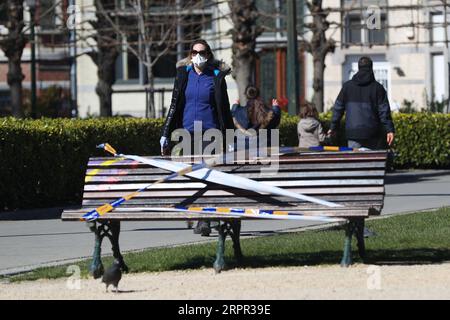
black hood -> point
(364, 76)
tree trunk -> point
(244, 69)
(13, 45)
(15, 78)
(106, 77)
(104, 92)
(151, 94)
(318, 83)
(319, 47)
(244, 33)
(105, 57)
(150, 78)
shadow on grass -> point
(263, 261)
(408, 256)
(377, 257)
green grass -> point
(417, 238)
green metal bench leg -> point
(235, 236)
(360, 238)
(111, 230)
(96, 269)
(115, 232)
(219, 264)
(347, 256)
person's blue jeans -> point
(372, 144)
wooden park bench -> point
(353, 179)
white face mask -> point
(199, 61)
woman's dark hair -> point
(258, 114)
(251, 92)
(203, 42)
(308, 109)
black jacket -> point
(366, 106)
(174, 118)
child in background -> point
(309, 129)
(257, 116)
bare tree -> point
(12, 45)
(319, 46)
(105, 54)
(137, 28)
(244, 15)
(154, 40)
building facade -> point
(410, 51)
(129, 97)
(52, 52)
(409, 46)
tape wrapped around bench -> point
(353, 179)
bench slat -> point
(100, 162)
(75, 215)
(237, 169)
(200, 185)
(303, 155)
(375, 206)
(255, 176)
(209, 192)
(377, 197)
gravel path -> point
(323, 282)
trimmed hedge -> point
(422, 139)
(42, 162)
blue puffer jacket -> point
(366, 106)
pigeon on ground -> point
(113, 275)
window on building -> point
(437, 30)
(47, 16)
(273, 16)
(357, 33)
(128, 65)
(267, 10)
(194, 27)
(165, 67)
(271, 74)
(439, 92)
(355, 28)
(283, 17)
(195, 24)
(267, 69)
(130, 69)
(378, 36)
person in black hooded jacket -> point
(367, 109)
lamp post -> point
(292, 59)
(73, 65)
(32, 6)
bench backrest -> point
(354, 179)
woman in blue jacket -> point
(199, 95)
